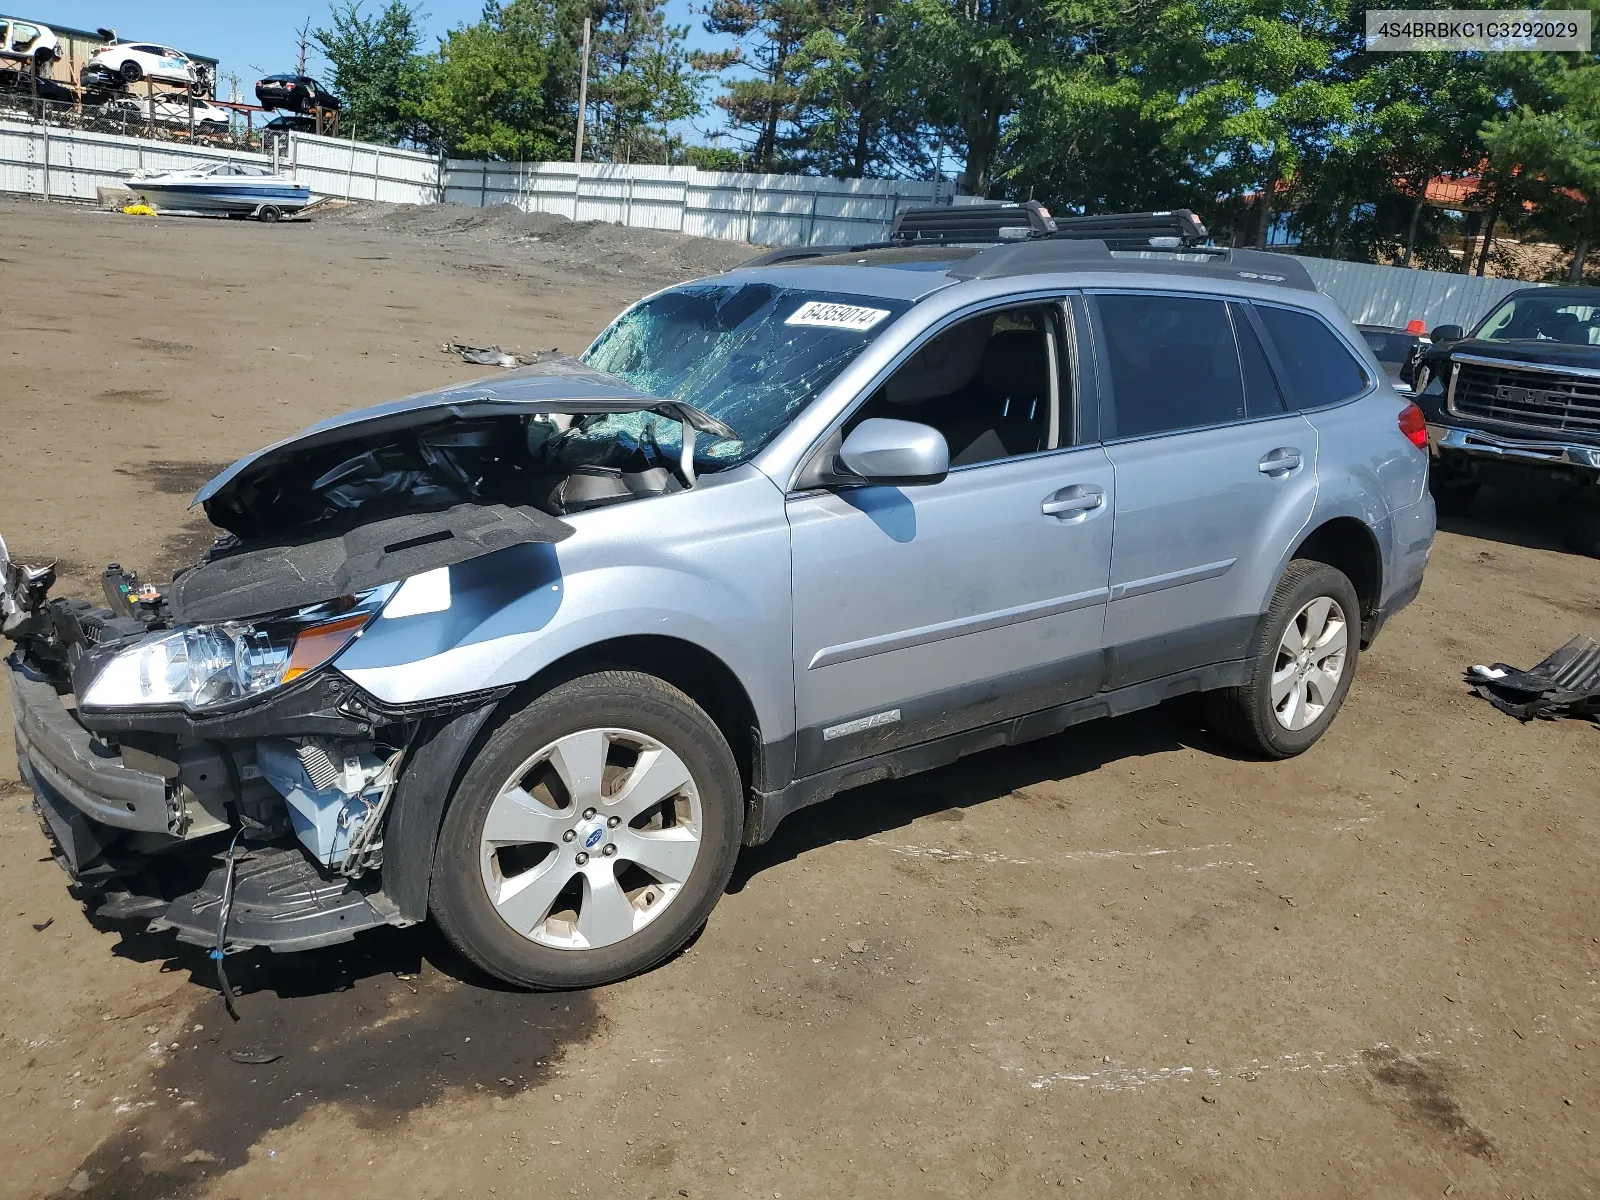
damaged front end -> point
(197, 758)
(149, 747)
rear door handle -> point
(1072, 501)
(1280, 461)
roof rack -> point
(1174, 229)
(1026, 240)
(1171, 229)
(947, 223)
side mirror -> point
(894, 453)
(1447, 333)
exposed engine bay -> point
(194, 758)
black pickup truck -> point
(1519, 395)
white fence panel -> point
(1376, 295)
(363, 171)
(781, 210)
(60, 163)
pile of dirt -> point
(547, 237)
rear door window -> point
(1319, 369)
(1172, 363)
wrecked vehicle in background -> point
(1517, 400)
(532, 656)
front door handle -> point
(1072, 501)
(1279, 462)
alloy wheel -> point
(1310, 663)
(591, 839)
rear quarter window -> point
(1319, 368)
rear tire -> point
(269, 213)
(522, 856)
(130, 71)
(1290, 699)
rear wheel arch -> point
(1348, 545)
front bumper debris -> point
(281, 901)
(140, 845)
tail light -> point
(1414, 425)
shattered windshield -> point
(1574, 322)
(752, 355)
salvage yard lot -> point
(1120, 961)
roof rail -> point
(1029, 241)
(1066, 254)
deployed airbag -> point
(283, 575)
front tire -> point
(1303, 662)
(592, 835)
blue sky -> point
(259, 38)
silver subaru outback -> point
(533, 657)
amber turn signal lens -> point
(319, 643)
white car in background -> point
(135, 61)
(25, 41)
(173, 111)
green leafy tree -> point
(966, 65)
(852, 119)
(376, 69)
(643, 77)
(764, 107)
(713, 158)
(1555, 152)
(494, 88)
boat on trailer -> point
(223, 188)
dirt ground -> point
(1119, 962)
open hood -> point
(376, 495)
(561, 385)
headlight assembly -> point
(203, 666)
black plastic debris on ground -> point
(1567, 684)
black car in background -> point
(294, 93)
(1393, 348)
(291, 123)
(1517, 397)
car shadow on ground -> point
(1536, 517)
(879, 808)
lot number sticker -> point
(836, 316)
